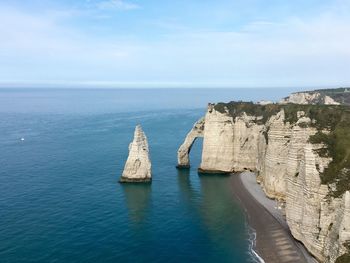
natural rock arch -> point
(183, 159)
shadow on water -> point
(211, 201)
(216, 199)
(221, 215)
(184, 182)
(137, 197)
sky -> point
(175, 43)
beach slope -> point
(274, 242)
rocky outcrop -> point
(138, 165)
(309, 98)
(183, 159)
(321, 96)
(289, 168)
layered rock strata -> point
(138, 165)
(289, 168)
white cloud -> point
(23, 35)
(295, 51)
(117, 5)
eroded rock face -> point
(138, 165)
(289, 169)
(183, 159)
(309, 98)
(217, 154)
(273, 164)
(229, 144)
(318, 220)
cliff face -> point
(290, 168)
(340, 96)
(321, 222)
(138, 165)
(217, 154)
(309, 98)
(229, 145)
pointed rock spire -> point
(138, 165)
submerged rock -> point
(138, 165)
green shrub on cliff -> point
(343, 259)
(346, 257)
(341, 95)
(337, 146)
(236, 109)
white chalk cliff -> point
(288, 169)
(138, 165)
(309, 98)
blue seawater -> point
(60, 200)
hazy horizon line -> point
(151, 85)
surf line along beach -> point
(274, 243)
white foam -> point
(252, 239)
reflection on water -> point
(137, 198)
(216, 200)
(184, 182)
(221, 215)
(211, 200)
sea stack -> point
(138, 165)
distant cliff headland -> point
(340, 96)
(300, 149)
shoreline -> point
(274, 243)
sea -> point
(62, 152)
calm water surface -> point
(59, 196)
